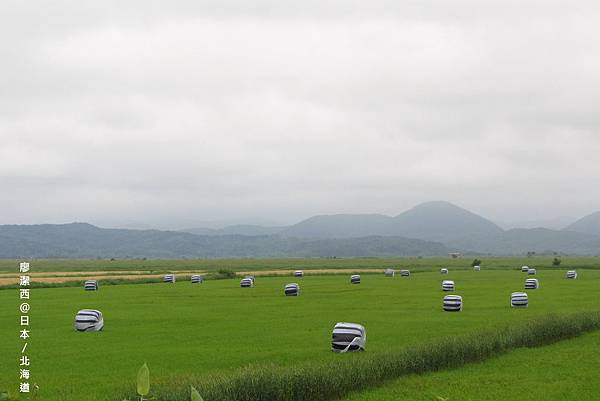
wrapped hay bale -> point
(531, 272)
(247, 282)
(452, 303)
(197, 279)
(292, 290)
(298, 273)
(572, 274)
(390, 272)
(89, 320)
(355, 279)
(91, 285)
(476, 268)
(532, 284)
(447, 285)
(519, 300)
(444, 271)
(404, 273)
(524, 269)
(169, 278)
(348, 337)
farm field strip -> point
(414, 263)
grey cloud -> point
(167, 114)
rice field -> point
(187, 332)
(564, 371)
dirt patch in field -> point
(96, 273)
(60, 278)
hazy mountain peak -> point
(589, 224)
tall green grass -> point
(325, 381)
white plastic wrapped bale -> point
(444, 271)
(89, 320)
(91, 285)
(524, 269)
(476, 268)
(197, 279)
(355, 279)
(519, 300)
(298, 273)
(404, 273)
(532, 284)
(572, 274)
(531, 272)
(247, 283)
(169, 278)
(292, 290)
(452, 303)
(447, 285)
(390, 272)
(348, 337)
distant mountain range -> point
(81, 240)
(429, 229)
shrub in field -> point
(224, 274)
(476, 262)
(556, 262)
(329, 380)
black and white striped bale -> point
(89, 320)
(390, 272)
(247, 282)
(531, 272)
(169, 278)
(571, 274)
(447, 285)
(348, 337)
(476, 268)
(91, 285)
(291, 290)
(298, 273)
(524, 269)
(355, 279)
(532, 284)
(452, 303)
(197, 279)
(444, 271)
(519, 300)
(404, 273)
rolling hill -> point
(589, 224)
(81, 240)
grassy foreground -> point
(185, 332)
(566, 371)
(323, 382)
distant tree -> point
(530, 254)
(476, 262)
(556, 262)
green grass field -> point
(560, 372)
(186, 331)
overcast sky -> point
(149, 114)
